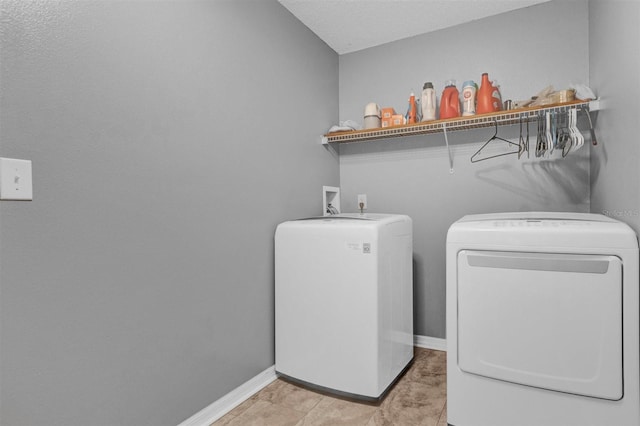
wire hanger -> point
(492, 138)
(540, 148)
(524, 144)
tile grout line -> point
(444, 408)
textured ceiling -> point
(351, 25)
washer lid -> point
(349, 220)
(373, 217)
(543, 229)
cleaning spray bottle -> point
(411, 110)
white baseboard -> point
(222, 406)
(430, 343)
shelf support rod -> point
(446, 140)
(594, 141)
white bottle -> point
(468, 98)
(428, 102)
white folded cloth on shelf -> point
(345, 126)
(583, 91)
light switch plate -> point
(15, 179)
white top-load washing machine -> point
(542, 321)
(344, 301)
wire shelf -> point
(502, 118)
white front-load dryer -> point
(542, 321)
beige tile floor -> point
(418, 398)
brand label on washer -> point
(354, 246)
(364, 248)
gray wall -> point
(525, 51)
(168, 139)
(614, 67)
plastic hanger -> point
(491, 139)
(565, 141)
(578, 133)
(524, 144)
(547, 133)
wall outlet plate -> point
(15, 179)
(362, 198)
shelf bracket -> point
(334, 150)
(446, 141)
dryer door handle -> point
(587, 264)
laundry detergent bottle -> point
(428, 102)
(469, 90)
(488, 97)
(450, 101)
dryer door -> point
(552, 321)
